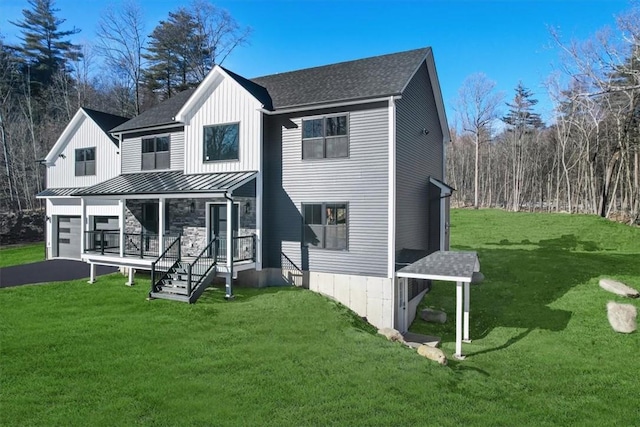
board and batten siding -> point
(360, 180)
(85, 135)
(132, 150)
(225, 102)
(418, 156)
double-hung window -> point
(85, 161)
(221, 142)
(326, 225)
(325, 137)
(155, 153)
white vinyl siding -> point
(85, 135)
(132, 151)
(225, 102)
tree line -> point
(45, 78)
(586, 160)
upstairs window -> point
(155, 153)
(325, 137)
(325, 225)
(85, 161)
(221, 142)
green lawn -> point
(22, 254)
(543, 352)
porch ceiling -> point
(172, 182)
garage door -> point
(69, 236)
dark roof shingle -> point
(361, 79)
(105, 121)
(161, 114)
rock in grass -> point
(432, 353)
(433, 316)
(391, 334)
(619, 288)
(622, 317)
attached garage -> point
(68, 238)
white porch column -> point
(465, 330)
(92, 273)
(161, 220)
(131, 273)
(459, 296)
(228, 288)
(83, 226)
(258, 241)
(121, 224)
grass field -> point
(543, 352)
(21, 254)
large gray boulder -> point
(619, 288)
(622, 317)
(432, 353)
(433, 316)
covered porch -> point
(209, 218)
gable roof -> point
(162, 114)
(101, 119)
(373, 77)
(362, 79)
(105, 121)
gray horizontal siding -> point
(360, 180)
(418, 156)
(131, 150)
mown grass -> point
(543, 352)
(21, 254)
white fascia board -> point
(445, 188)
(434, 277)
(329, 105)
(204, 87)
(63, 140)
(391, 225)
(437, 94)
(120, 135)
(241, 183)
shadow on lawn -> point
(522, 283)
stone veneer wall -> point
(191, 225)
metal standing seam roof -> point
(58, 192)
(443, 264)
(171, 182)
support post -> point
(122, 206)
(230, 220)
(92, 273)
(459, 298)
(465, 330)
(161, 220)
(83, 226)
(131, 281)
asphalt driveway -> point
(54, 270)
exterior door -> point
(69, 235)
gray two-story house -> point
(328, 178)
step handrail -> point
(191, 286)
(165, 256)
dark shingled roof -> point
(453, 265)
(105, 121)
(361, 79)
(166, 182)
(58, 192)
(367, 78)
(161, 114)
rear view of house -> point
(329, 178)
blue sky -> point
(508, 40)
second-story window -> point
(155, 153)
(85, 161)
(325, 137)
(221, 142)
